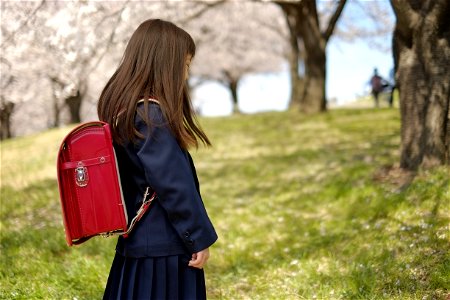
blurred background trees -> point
(53, 49)
(56, 56)
(54, 60)
(16, 22)
(244, 38)
(59, 48)
(302, 18)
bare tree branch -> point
(110, 41)
(113, 14)
(333, 20)
(207, 6)
(24, 23)
(6, 62)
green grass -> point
(297, 201)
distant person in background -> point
(377, 84)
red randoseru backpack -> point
(89, 185)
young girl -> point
(147, 103)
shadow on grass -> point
(382, 255)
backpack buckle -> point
(81, 176)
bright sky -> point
(349, 67)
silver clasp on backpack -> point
(81, 175)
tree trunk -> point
(314, 97)
(57, 87)
(74, 104)
(314, 94)
(297, 83)
(233, 85)
(6, 111)
(303, 22)
(56, 112)
(297, 87)
(422, 54)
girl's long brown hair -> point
(153, 66)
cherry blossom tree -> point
(302, 18)
(53, 52)
(14, 72)
(61, 43)
(6, 105)
(244, 38)
(368, 21)
(77, 43)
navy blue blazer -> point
(177, 221)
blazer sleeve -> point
(168, 171)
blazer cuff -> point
(195, 245)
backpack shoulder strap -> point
(146, 201)
(150, 100)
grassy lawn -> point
(301, 205)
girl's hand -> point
(199, 259)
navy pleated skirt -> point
(156, 278)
